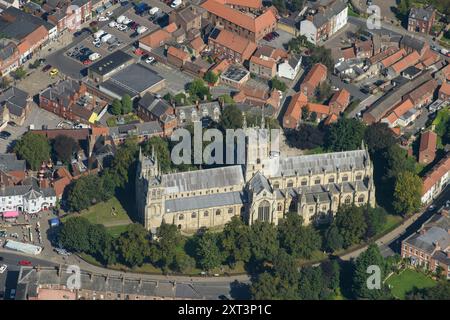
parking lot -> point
(280, 41)
(37, 117)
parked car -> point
(102, 18)
(122, 27)
(24, 263)
(3, 268)
(46, 68)
(275, 34)
(54, 72)
(112, 24)
(150, 60)
(5, 135)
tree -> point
(265, 287)
(208, 252)
(263, 240)
(331, 274)
(298, 240)
(133, 245)
(378, 137)
(235, 241)
(345, 134)
(73, 234)
(116, 107)
(313, 116)
(127, 104)
(305, 113)
(307, 136)
(161, 147)
(323, 91)
(64, 148)
(198, 89)
(33, 148)
(407, 194)
(211, 77)
(19, 73)
(231, 118)
(333, 240)
(371, 257)
(169, 239)
(183, 262)
(375, 219)
(84, 192)
(280, 5)
(322, 55)
(5, 83)
(227, 99)
(351, 224)
(277, 84)
(122, 164)
(439, 292)
(311, 283)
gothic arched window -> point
(264, 211)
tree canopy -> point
(33, 148)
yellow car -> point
(54, 72)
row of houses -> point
(301, 101)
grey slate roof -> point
(203, 179)
(205, 201)
(412, 42)
(111, 62)
(9, 162)
(62, 91)
(427, 241)
(259, 183)
(154, 105)
(133, 80)
(23, 24)
(421, 13)
(146, 128)
(15, 100)
(316, 163)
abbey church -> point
(314, 186)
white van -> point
(99, 34)
(141, 29)
(106, 37)
(94, 56)
(120, 19)
(153, 11)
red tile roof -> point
(155, 39)
(241, 19)
(178, 53)
(428, 141)
(341, 97)
(438, 171)
(393, 58)
(445, 89)
(410, 60)
(236, 43)
(317, 73)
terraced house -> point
(266, 189)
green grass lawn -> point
(102, 213)
(391, 222)
(116, 231)
(407, 280)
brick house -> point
(423, 95)
(436, 180)
(231, 46)
(154, 40)
(421, 19)
(444, 91)
(67, 14)
(9, 56)
(240, 23)
(150, 108)
(339, 101)
(188, 18)
(177, 57)
(430, 246)
(427, 150)
(313, 79)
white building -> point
(289, 68)
(322, 21)
(26, 198)
(436, 180)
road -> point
(390, 243)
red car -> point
(24, 263)
(87, 61)
(138, 52)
